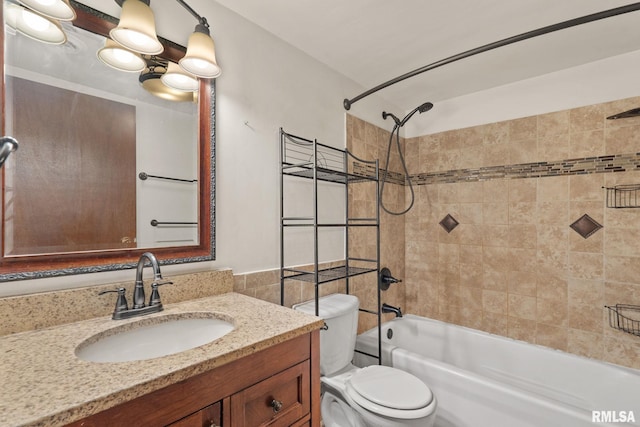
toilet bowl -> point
(373, 396)
(378, 396)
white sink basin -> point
(149, 338)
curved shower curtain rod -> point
(520, 37)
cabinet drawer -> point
(277, 401)
(207, 417)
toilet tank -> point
(338, 340)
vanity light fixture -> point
(139, 46)
(177, 78)
(136, 31)
(200, 59)
(121, 58)
(54, 9)
(33, 24)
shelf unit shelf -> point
(326, 275)
(306, 159)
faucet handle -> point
(121, 302)
(155, 295)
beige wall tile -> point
(551, 336)
(523, 151)
(586, 265)
(583, 343)
(552, 312)
(622, 140)
(494, 323)
(553, 148)
(554, 124)
(494, 302)
(496, 154)
(587, 144)
(524, 128)
(586, 118)
(521, 329)
(552, 189)
(523, 283)
(522, 307)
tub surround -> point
(44, 383)
(514, 266)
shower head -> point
(425, 107)
(399, 123)
(422, 109)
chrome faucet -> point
(386, 308)
(122, 310)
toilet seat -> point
(390, 392)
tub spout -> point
(386, 308)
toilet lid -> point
(390, 391)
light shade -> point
(137, 29)
(33, 25)
(177, 78)
(55, 9)
(120, 58)
(200, 59)
(151, 81)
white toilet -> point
(374, 396)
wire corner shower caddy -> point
(623, 196)
(625, 317)
(306, 160)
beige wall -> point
(513, 266)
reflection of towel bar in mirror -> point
(155, 223)
(143, 176)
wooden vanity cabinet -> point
(275, 387)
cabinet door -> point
(207, 417)
(278, 401)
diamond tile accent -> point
(585, 226)
(449, 223)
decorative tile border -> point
(364, 170)
(587, 165)
(582, 166)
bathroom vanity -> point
(265, 372)
(268, 388)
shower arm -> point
(504, 42)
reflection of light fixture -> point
(200, 58)
(151, 80)
(177, 78)
(55, 9)
(121, 58)
(33, 25)
(137, 28)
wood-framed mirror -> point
(162, 166)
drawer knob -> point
(276, 405)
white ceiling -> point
(372, 41)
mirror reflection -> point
(103, 164)
(85, 132)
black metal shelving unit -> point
(302, 158)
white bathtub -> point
(485, 380)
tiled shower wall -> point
(513, 266)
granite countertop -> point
(45, 384)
